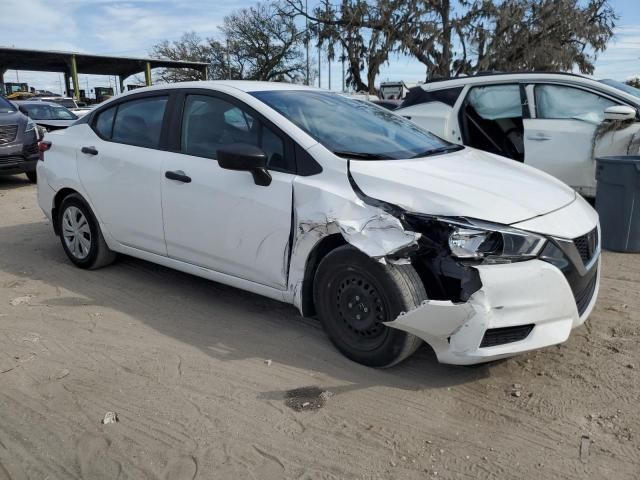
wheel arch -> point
(57, 201)
(326, 245)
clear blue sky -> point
(132, 27)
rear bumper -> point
(534, 294)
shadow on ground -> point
(9, 182)
(224, 322)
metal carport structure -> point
(73, 63)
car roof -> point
(439, 84)
(242, 85)
(37, 102)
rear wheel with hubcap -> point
(80, 234)
(354, 295)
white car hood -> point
(467, 183)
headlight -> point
(30, 125)
(494, 242)
(477, 240)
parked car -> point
(70, 103)
(387, 233)
(48, 115)
(555, 122)
(18, 142)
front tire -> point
(32, 176)
(355, 294)
(80, 234)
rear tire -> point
(32, 176)
(80, 234)
(355, 294)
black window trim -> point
(174, 136)
(162, 145)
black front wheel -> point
(32, 176)
(354, 295)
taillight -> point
(43, 147)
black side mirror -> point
(245, 157)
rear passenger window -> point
(104, 123)
(139, 122)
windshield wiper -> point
(437, 151)
(362, 155)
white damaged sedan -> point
(388, 234)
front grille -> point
(584, 296)
(586, 245)
(8, 133)
(500, 336)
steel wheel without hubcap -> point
(76, 232)
(361, 310)
(355, 296)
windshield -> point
(354, 128)
(622, 86)
(5, 106)
(48, 112)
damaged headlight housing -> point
(493, 243)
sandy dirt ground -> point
(198, 374)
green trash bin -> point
(618, 202)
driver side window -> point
(210, 123)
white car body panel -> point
(225, 228)
(249, 224)
(487, 179)
(123, 184)
(560, 147)
(438, 119)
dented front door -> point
(218, 218)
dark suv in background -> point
(18, 142)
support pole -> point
(121, 81)
(74, 78)
(147, 74)
(2, 92)
(67, 78)
(205, 73)
(319, 66)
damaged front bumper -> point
(529, 304)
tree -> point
(364, 48)
(467, 36)
(633, 82)
(264, 44)
(544, 35)
(259, 43)
(191, 47)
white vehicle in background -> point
(69, 103)
(556, 122)
(387, 233)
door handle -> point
(178, 175)
(89, 150)
(538, 138)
